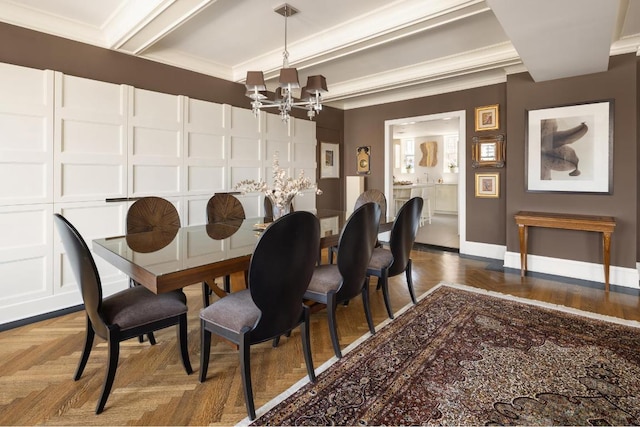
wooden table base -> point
(601, 224)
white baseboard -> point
(620, 276)
(25, 310)
(484, 250)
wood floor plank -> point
(37, 361)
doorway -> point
(425, 155)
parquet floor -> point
(37, 361)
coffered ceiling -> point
(371, 51)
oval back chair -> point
(390, 262)
(121, 316)
(280, 270)
(224, 207)
(332, 284)
(151, 214)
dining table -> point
(169, 259)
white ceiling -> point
(371, 51)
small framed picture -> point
(488, 185)
(329, 160)
(487, 118)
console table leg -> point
(606, 253)
(522, 232)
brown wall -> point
(617, 84)
(32, 49)
(365, 126)
(490, 220)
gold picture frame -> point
(488, 185)
(487, 117)
(488, 151)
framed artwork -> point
(488, 151)
(329, 160)
(569, 148)
(487, 118)
(488, 185)
(363, 160)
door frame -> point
(462, 160)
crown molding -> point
(380, 26)
(17, 14)
(497, 56)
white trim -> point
(26, 309)
(484, 250)
(621, 276)
(462, 160)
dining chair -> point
(390, 262)
(332, 284)
(372, 195)
(222, 208)
(129, 313)
(151, 213)
(280, 270)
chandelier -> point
(310, 95)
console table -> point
(602, 224)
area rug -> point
(469, 357)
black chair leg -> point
(227, 284)
(276, 341)
(410, 282)
(88, 344)
(182, 339)
(331, 318)
(205, 349)
(383, 281)
(152, 338)
(306, 346)
(245, 370)
(114, 352)
(205, 294)
(367, 306)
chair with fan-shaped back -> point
(281, 266)
(372, 195)
(332, 284)
(151, 214)
(390, 262)
(129, 313)
(222, 208)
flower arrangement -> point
(283, 190)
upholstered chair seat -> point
(381, 258)
(326, 278)
(138, 306)
(234, 312)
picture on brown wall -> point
(487, 118)
(569, 148)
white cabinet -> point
(447, 198)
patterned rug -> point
(469, 357)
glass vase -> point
(281, 209)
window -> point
(408, 147)
(450, 155)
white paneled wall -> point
(67, 144)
